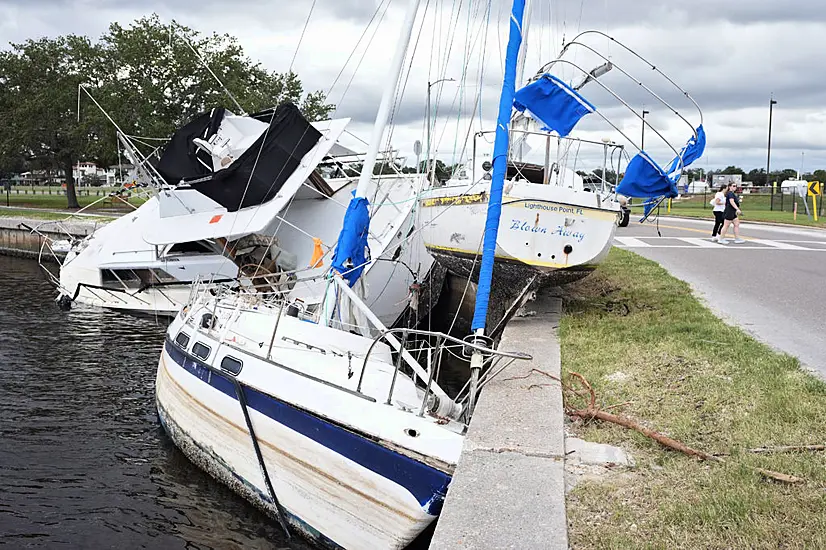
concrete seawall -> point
(509, 490)
(18, 238)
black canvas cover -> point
(179, 160)
(258, 173)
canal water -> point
(84, 462)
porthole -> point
(200, 351)
(231, 365)
(182, 340)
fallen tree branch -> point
(788, 449)
(636, 426)
(594, 412)
(777, 476)
(618, 405)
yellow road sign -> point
(814, 192)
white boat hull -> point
(162, 301)
(542, 228)
(338, 485)
(387, 283)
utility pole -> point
(772, 103)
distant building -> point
(720, 179)
(797, 187)
(698, 186)
(112, 176)
(83, 169)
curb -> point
(508, 490)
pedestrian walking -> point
(718, 204)
(731, 215)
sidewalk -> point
(508, 490)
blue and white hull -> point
(345, 478)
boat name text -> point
(555, 208)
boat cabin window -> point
(134, 278)
(189, 248)
(231, 365)
(182, 340)
(200, 351)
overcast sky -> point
(730, 55)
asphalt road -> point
(773, 285)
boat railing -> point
(411, 347)
(432, 345)
(610, 153)
(440, 403)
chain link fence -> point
(758, 199)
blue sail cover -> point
(693, 150)
(352, 249)
(645, 178)
(553, 103)
(500, 166)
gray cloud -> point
(729, 55)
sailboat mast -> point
(500, 160)
(523, 51)
(365, 179)
(520, 78)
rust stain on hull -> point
(265, 443)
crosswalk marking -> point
(778, 244)
(696, 242)
(702, 243)
(632, 242)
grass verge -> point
(40, 214)
(712, 387)
(57, 202)
(756, 208)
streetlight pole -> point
(772, 103)
(430, 85)
(642, 140)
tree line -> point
(756, 176)
(144, 75)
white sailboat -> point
(555, 226)
(330, 425)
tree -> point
(695, 174)
(145, 76)
(155, 83)
(441, 171)
(783, 175)
(757, 176)
(610, 175)
(39, 80)
(733, 170)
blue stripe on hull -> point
(428, 485)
